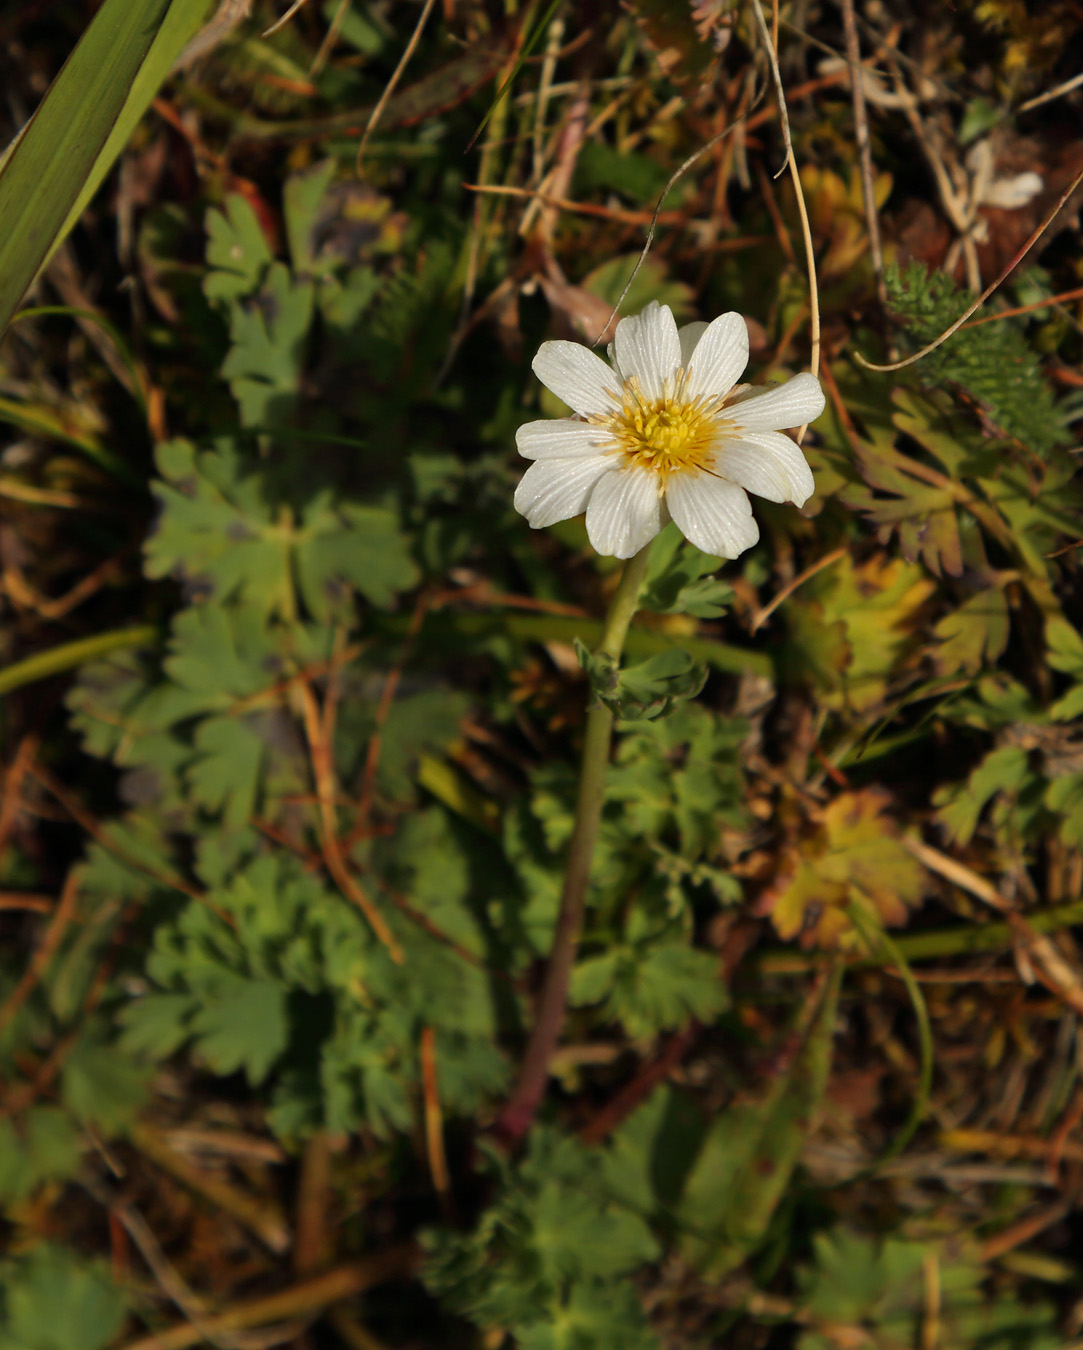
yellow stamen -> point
(672, 434)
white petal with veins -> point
(792, 404)
(719, 358)
(768, 464)
(557, 489)
(626, 511)
(714, 514)
(577, 376)
(561, 438)
(647, 346)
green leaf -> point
(266, 356)
(238, 254)
(551, 1255)
(416, 724)
(681, 580)
(80, 127)
(854, 625)
(573, 1233)
(601, 166)
(303, 196)
(974, 635)
(226, 774)
(853, 857)
(1064, 797)
(651, 283)
(363, 546)
(218, 532)
(157, 1024)
(648, 690)
(872, 1291)
(51, 1300)
(959, 807)
(651, 987)
(215, 530)
(101, 1085)
(589, 1316)
(42, 1145)
(242, 1026)
(994, 362)
(676, 780)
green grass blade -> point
(80, 127)
(72, 654)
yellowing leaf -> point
(854, 626)
(853, 855)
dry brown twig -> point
(323, 772)
(63, 915)
(434, 1123)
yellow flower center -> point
(669, 435)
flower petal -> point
(792, 404)
(688, 336)
(646, 345)
(557, 489)
(625, 513)
(712, 513)
(720, 356)
(573, 372)
(768, 464)
(561, 438)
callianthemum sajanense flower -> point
(664, 433)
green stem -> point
(930, 946)
(519, 1112)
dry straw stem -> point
(330, 38)
(977, 304)
(802, 209)
(62, 917)
(265, 1221)
(281, 23)
(392, 84)
(307, 1299)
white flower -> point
(665, 433)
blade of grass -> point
(39, 421)
(71, 654)
(524, 52)
(81, 125)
